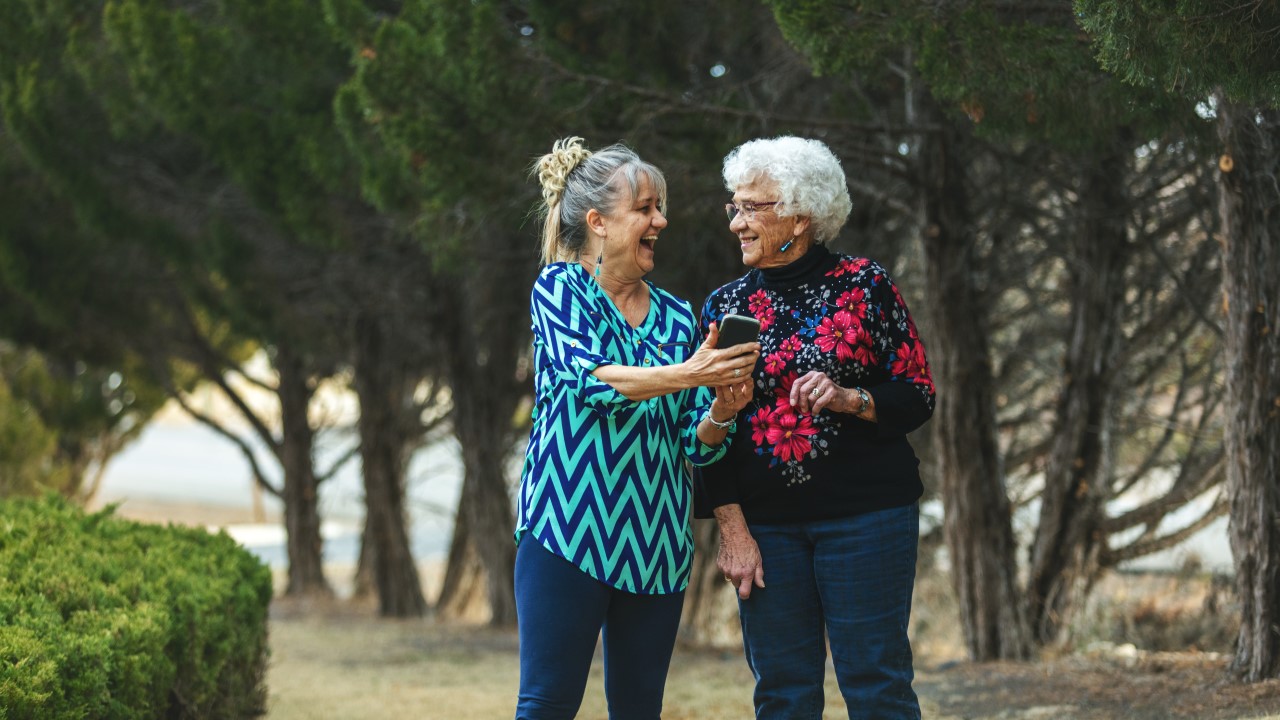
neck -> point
(796, 248)
(618, 287)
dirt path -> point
(344, 664)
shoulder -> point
(556, 272)
(669, 303)
(728, 291)
(556, 277)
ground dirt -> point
(336, 660)
(339, 661)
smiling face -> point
(763, 236)
(630, 232)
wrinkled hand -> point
(739, 560)
(813, 391)
(711, 367)
(730, 399)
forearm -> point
(733, 524)
(644, 383)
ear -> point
(801, 226)
(595, 221)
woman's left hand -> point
(814, 391)
(732, 397)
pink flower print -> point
(758, 301)
(837, 333)
(775, 363)
(790, 437)
(764, 419)
(850, 266)
(855, 301)
(761, 306)
(790, 347)
(862, 343)
(783, 392)
(909, 362)
(766, 318)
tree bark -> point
(1069, 542)
(488, 337)
(464, 583)
(978, 526)
(384, 386)
(301, 500)
(710, 614)
(1249, 206)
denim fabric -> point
(561, 613)
(852, 577)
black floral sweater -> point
(843, 316)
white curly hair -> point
(808, 175)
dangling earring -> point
(784, 247)
(599, 259)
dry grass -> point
(337, 660)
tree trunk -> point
(464, 583)
(1065, 557)
(710, 606)
(978, 526)
(1249, 204)
(301, 500)
(482, 424)
(384, 386)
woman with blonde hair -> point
(623, 398)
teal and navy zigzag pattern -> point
(604, 482)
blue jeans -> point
(561, 612)
(852, 577)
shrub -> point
(106, 618)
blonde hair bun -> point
(555, 166)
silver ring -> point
(737, 372)
(813, 393)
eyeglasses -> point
(747, 209)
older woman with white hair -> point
(816, 497)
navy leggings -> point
(562, 611)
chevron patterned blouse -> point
(604, 482)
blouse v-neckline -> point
(650, 312)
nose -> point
(737, 223)
(659, 220)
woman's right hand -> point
(712, 367)
(739, 556)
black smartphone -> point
(738, 329)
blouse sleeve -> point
(563, 327)
(714, 483)
(905, 402)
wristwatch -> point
(866, 401)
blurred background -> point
(265, 265)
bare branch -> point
(239, 442)
(1142, 548)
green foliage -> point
(1014, 72)
(1190, 48)
(27, 449)
(440, 97)
(104, 618)
(94, 411)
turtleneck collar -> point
(806, 267)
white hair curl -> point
(808, 176)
